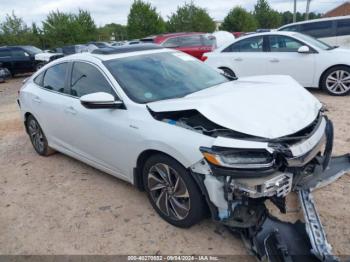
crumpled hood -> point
(265, 106)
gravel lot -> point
(57, 205)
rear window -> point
(318, 29)
(343, 27)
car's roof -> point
(316, 20)
(114, 52)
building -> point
(343, 9)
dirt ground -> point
(57, 205)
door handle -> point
(238, 59)
(36, 100)
(274, 60)
(71, 110)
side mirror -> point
(304, 49)
(100, 100)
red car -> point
(195, 44)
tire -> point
(228, 71)
(37, 137)
(39, 66)
(336, 81)
(177, 200)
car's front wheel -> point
(172, 191)
(336, 81)
(37, 137)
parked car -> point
(95, 45)
(74, 49)
(195, 44)
(309, 61)
(334, 31)
(24, 59)
(194, 139)
(4, 73)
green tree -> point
(67, 28)
(189, 18)
(266, 16)
(109, 30)
(239, 20)
(143, 20)
(14, 30)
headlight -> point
(238, 158)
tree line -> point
(64, 28)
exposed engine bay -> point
(237, 181)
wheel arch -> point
(141, 160)
(324, 72)
(26, 115)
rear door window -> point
(55, 76)
(87, 79)
(318, 29)
(343, 27)
(252, 44)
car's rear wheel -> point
(172, 191)
(336, 81)
(37, 137)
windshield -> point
(313, 41)
(32, 49)
(153, 77)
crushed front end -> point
(238, 175)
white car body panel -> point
(307, 69)
(267, 113)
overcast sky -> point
(108, 11)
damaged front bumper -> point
(236, 197)
(269, 238)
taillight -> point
(203, 58)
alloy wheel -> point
(36, 135)
(338, 82)
(168, 191)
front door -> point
(283, 59)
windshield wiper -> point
(332, 47)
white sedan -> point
(194, 140)
(309, 61)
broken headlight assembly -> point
(238, 159)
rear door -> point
(284, 59)
(246, 57)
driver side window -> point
(86, 79)
(280, 43)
